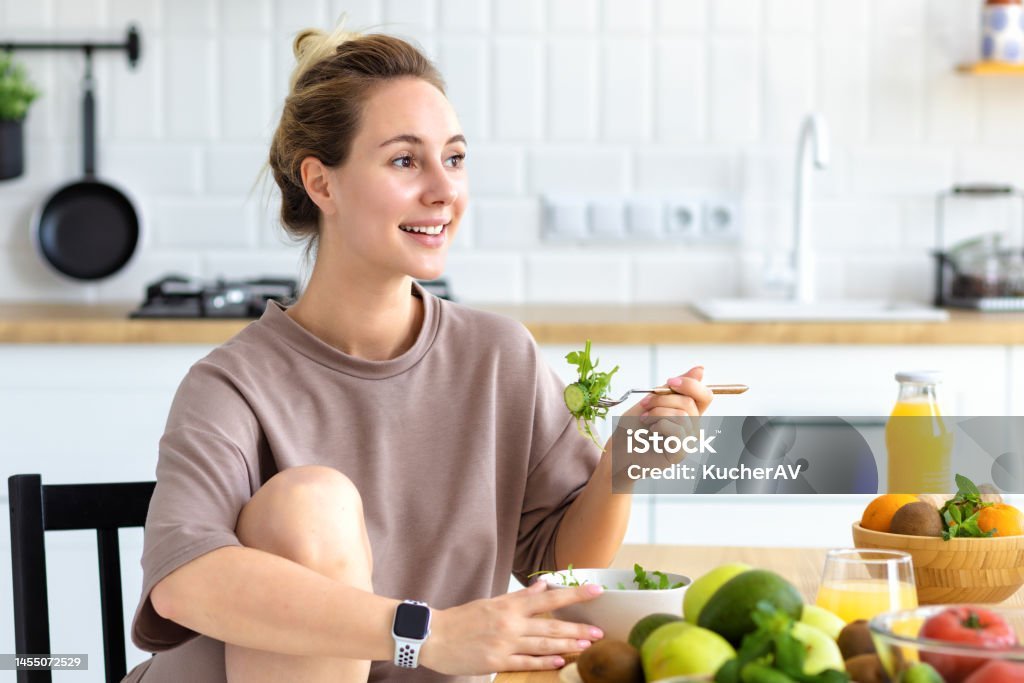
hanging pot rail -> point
(132, 45)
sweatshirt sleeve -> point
(202, 485)
(561, 464)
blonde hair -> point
(334, 76)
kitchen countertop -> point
(549, 324)
(802, 566)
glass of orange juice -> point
(861, 583)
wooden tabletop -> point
(801, 566)
(549, 324)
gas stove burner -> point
(177, 296)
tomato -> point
(973, 626)
(998, 672)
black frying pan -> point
(87, 230)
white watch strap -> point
(407, 651)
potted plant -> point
(16, 94)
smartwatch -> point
(410, 628)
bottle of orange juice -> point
(918, 441)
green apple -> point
(663, 633)
(701, 590)
(822, 651)
(688, 651)
(821, 618)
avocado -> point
(643, 628)
(728, 612)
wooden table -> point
(801, 566)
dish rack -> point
(978, 273)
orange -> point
(1004, 518)
(878, 514)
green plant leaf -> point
(16, 92)
(966, 487)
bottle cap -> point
(920, 376)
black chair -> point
(35, 509)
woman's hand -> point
(689, 397)
(505, 633)
(674, 414)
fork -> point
(662, 391)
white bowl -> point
(615, 611)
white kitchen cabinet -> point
(1015, 378)
(756, 520)
(843, 380)
(76, 414)
(814, 381)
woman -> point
(372, 444)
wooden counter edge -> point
(637, 325)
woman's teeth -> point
(426, 230)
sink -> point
(853, 310)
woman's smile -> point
(429, 234)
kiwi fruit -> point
(866, 669)
(610, 661)
(917, 519)
(855, 639)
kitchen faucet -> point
(814, 130)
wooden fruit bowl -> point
(959, 570)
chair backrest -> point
(35, 509)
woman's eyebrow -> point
(415, 140)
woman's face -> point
(399, 197)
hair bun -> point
(307, 41)
(313, 45)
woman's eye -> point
(403, 162)
(457, 160)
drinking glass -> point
(861, 583)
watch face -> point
(412, 621)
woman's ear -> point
(316, 180)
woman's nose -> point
(441, 188)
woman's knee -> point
(312, 515)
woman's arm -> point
(258, 600)
(595, 523)
(262, 601)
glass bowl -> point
(896, 638)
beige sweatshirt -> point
(462, 449)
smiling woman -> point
(312, 490)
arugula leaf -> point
(567, 578)
(643, 581)
(582, 396)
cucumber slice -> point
(576, 396)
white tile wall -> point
(680, 90)
(572, 89)
(590, 97)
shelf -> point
(991, 69)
